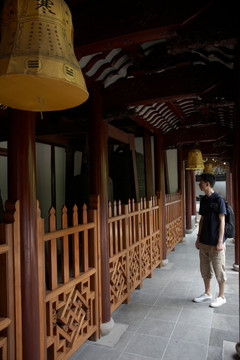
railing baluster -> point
(120, 229)
(110, 229)
(53, 280)
(85, 240)
(75, 244)
(65, 248)
(115, 228)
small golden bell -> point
(195, 160)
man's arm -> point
(199, 232)
(221, 231)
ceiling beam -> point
(126, 40)
(166, 86)
(129, 37)
(187, 136)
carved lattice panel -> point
(134, 267)
(173, 233)
(156, 250)
(146, 257)
(70, 319)
(118, 279)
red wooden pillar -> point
(193, 186)
(22, 186)
(181, 182)
(99, 185)
(160, 184)
(236, 186)
(236, 191)
(188, 201)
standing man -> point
(210, 240)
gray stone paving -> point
(164, 323)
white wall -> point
(43, 178)
(172, 170)
(139, 147)
(43, 175)
(60, 168)
(219, 187)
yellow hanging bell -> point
(195, 160)
(208, 167)
(38, 67)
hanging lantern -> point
(38, 67)
(195, 160)
(208, 167)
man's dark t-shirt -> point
(210, 208)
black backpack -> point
(229, 221)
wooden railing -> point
(69, 269)
(174, 220)
(10, 285)
(71, 299)
(135, 246)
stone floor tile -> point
(156, 327)
(217, 337)
(151, 346)
(133, 322)
(138, 310)
(225, 322)
(164, 313)
(126, 356)
(191, 333)
(171, 301)
(138, 297)
(92, 352)
(215, 353)
(178, 349)
(199, 316)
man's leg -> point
(221, 289)
(218, 260)
(206, 267)
(206, 272)
(207, 283)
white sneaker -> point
(219, 301)
(202, 298)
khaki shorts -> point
(212, 261)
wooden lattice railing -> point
(174, 220)
(71, 276)
(10, 285)
(135, 246)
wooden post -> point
(181, 178)
(236, 184)
(188, 201)
(99, 185)
(193, 187)
(22, 186)
(236, 188)
(148, 164)
(160, 186)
